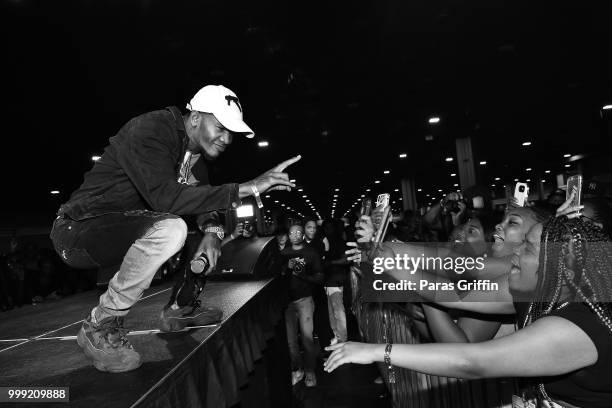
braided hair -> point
(591, 280)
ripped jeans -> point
(138, 242)
(299, 313)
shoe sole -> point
(93, 354)
(174, 324)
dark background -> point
(347, 84)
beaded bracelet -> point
(387, 359)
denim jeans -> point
(139, 242)
(299, 313)
(337, 314)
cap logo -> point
(230, 99)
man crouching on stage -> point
(127, 212)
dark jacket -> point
(139, 170)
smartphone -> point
(521, 192)
(366, 206)
(382, 200)
(574, 184)
(477, 202)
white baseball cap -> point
(224, 104)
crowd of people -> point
(551, 261)
(30, 275)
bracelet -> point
(387, 360)
(256, 194)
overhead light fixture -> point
(95, 158)
(376, 181)
(567, 165)
(515, 179)
(367, 189)
(497, 179)
(567, 155)
(292, 181)
(419, 189)
(396, 190)
(449, 159)
(276, 201)
(528, 180)
(267, 196)
(363, 195)
(607, 107)
(453, 174)
(547, 172)
(455, 185)
(403, 155)
(54, 192)
(482, 163)
(439, 190)
(386, 172)
(543, 181)
(300, 189)
(304, 196)
(263, 143)
(528, 169)
(337, 189)
(526, 143)
(434, 119)
(492, 185)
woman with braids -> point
(565, 341)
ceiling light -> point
(337, 189)
(377, 181)
(267, 196)
(403, 155)
(304, 196)
(496, 178)
(439, 190)
(95, 158)
(300, 189)
(567, 165)
(54, 192)
(482, 163)
(386, 172)
(367, 189)
(528, 169)
(262, 144)
(543, 181)
(567, 155)
(607, 107)
(526, 143)
(434, 119)
(455, 185)
(449, 159)
(547, 172)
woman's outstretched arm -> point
(530, 352)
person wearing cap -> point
(127, 214)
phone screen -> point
(574, 184)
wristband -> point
(216, 230)
(256, 194)
(387, 360)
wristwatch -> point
(217, 230)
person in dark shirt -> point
(304, 271)
(128, 212)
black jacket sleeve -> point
(149, 158)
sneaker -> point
(311, 379)
(107, 345)
(175, 318)
(296, 376)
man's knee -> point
(173, 229)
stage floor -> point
(38, 344)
